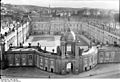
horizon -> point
(99, 4)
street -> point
(100, 71)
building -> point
(54, 27)
(100, 33)
(17, 31)
(70, 58)
(107, 35)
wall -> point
(89, 59)
(99, 34)
(18, 58)
(29, 57)
(109, 56)
(91, 31)
(53, 27)
(57, 64)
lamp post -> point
(103, 33)
(17, 25)
(49, 27)
(17, 34)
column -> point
(63, 50)
(76, 52)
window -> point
(41, 61)
(68, 47)
(52, 63)
(112, 55)
(107, 56)
(101, 55)
(30, 57)
(23, 56)
(91, 59)
(17, 57)
(85, 61)
(46, 62)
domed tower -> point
(68, 45)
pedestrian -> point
(49, 76)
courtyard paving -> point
(49, 41)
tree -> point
(117, 17)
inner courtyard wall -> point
(89, 30)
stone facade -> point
(109, 55)
(18, 36)
(61, 62)
(69, 58)
(90, 31)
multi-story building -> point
(102, 34)
(53, 27)
(18, 36)
(97, 33)
(17, 33)
(70, 58)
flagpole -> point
(50, 18)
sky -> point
(106, 4)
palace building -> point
(78, 50)
(70, 57)
(107, 35)
(84, 42)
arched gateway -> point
(70, 52)
(69, 67)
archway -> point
(52, 70)
(85, 68)
(69, 67)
